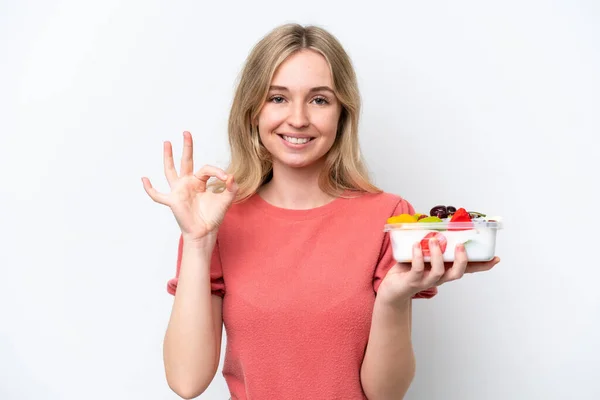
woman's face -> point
(298, 122)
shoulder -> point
(384, 202)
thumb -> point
(231, 188)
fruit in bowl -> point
(451, 226)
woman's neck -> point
(295, 188)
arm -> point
(389, 364)
(192, 343)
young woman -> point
(286, 248)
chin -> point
(299, 163)
(296, 164)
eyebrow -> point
(315, 89)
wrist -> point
(204, 244)
(391, 299)
(398, 309)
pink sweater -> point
(298, 291)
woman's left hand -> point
(404, 280)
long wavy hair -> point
(251, 163)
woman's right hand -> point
(198, 212)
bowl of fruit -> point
(450, 226)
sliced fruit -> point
(439, 211)
(401, 219)
(475, 214)
(443, 242)
(421, 216)
(461, 215)
(430, 219)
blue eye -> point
(321, 101)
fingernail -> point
(433, 242)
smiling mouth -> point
(295, 140)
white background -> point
(493, 106)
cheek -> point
(267, 123)
(269, 119)
(328, 123)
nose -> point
(298, 117)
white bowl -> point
(478, 237)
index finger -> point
(417, 269)
(208, 171)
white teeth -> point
(296, 140)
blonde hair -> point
(251, 163)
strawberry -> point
(461, 215)
(425, 243)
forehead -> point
(303, 69)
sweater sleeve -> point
(386, 261)
(217, 284)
